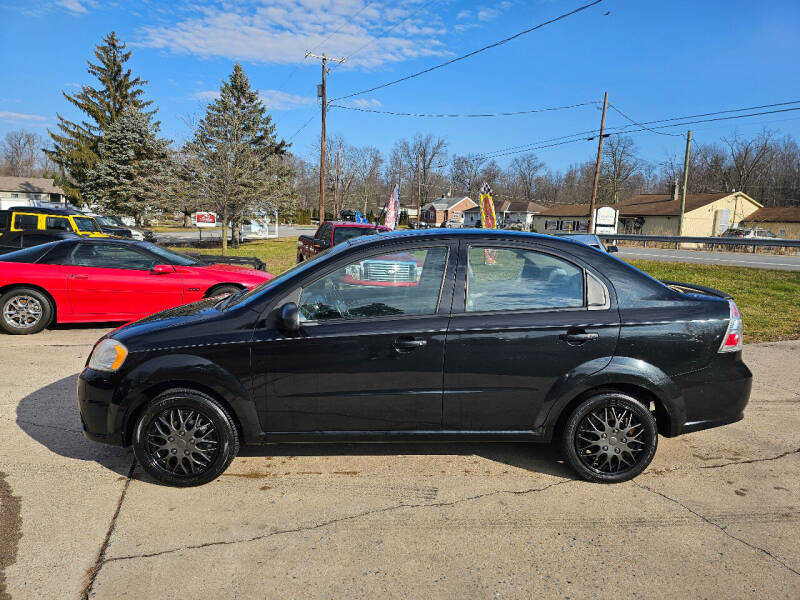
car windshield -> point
(105, 221)
(170, 257)
(86, 224)
(342, 234)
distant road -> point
(735, 259)
(283, 231)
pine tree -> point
(131, 170)
(75, 146)
(235, 150)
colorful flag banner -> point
(488, 219)
(392, 210)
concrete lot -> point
(716, 515)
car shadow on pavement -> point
(50, 416)
(539, 458)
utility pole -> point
(685, 180)
(593, 201)
(419, 190)
(336, 188)
(322, 92)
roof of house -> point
(522, 206)
(446, 203)
(776, 214)
(34, 185)
(645, 205)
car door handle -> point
(80, 277)
(578, 337)
(408, 344)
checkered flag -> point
(485, 189)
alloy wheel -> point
(22, 312)
(611, 440)
(182, 441)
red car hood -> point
(243, 275)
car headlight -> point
(108, 355)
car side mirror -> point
(290, 318)
(162, 270)
(612, 249)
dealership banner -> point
(488, 220)
(392, 210)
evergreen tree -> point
(75, 146)
(131, 171)
(235, 151)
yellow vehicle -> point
(27, 218)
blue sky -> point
(657, 59)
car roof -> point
(423, 234)
(38, 210)
(351, 224)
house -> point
(29, 191)
(783, 221)
(706, 215)
(516, 214)
(446, 209)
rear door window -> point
(342, 234)
(518, 279)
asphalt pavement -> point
(216, 233)
(716, 515)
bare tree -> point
(21, 152)
(750, 160)
(525, 169)
(465, 173)
(619, 165)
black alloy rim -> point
(182, 441)
(611, 440)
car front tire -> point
(24, 311)
(185, 438)
(610, 437)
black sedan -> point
(470, 334)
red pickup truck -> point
(331, 233)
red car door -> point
(118, 281)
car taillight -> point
(732, 342)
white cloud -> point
(366, 102)
(278, 100)
(488, 14)
(14, 116)
(272, 99)
(464, 14)
(280, 31)
(76, 6)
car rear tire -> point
(25, 310)
(185, 438)
(221, 290)
(610, 437)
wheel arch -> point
(633, 377)
(209, 292)
(38, 288)
(159, 374)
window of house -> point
(519, 279)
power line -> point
(473, 53)
(302, 127)
(472, 115)
(640, 125)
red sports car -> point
(86, 280)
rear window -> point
(28, 255)
(342, 234)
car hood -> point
(151, 326)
